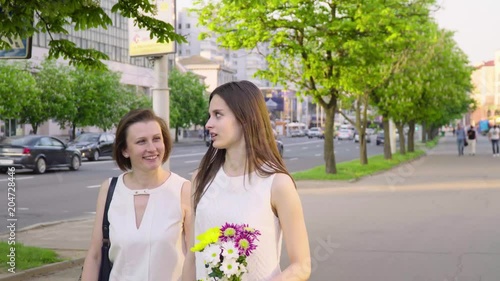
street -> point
(63, 194)
(439, 222)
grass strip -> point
(351, 170)
(26, 257)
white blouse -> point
(156, 250)
(238, 200)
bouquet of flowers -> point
(225, 250)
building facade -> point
(486, 91)
(244, 62)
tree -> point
(316, 45)
(25, 18)
(188, 102)
(17, 90)
(94, 99)
(51, 97)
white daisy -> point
(212, 254)
(229, 251)
(229, 267)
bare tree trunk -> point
(424, 132)
(402, 143)
(411, 136)
(176, 135)
(387, 143)
(330, 164)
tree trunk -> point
(176, 140)
(35, 128)
(402, 143)
(329, 155)
(387, 143)
(411, 136)
(424, 132)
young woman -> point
(150, 213)
(242, 179)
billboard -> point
(21, 48)
(140, 44)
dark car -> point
(94, 145)
(380, 138)
(38, 153)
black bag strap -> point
(105, 221)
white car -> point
(315, 132)
(345, 134)
(356, 138)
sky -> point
(476, 24)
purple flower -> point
(245, 243)
(229, 231)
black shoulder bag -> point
(106, 265)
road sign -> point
(21, 48)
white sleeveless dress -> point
(155, 251)
(229, 199)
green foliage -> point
(188, 102)
(27, 17)
(329, 50)
(17, 87)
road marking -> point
(23, 209)
(93, 186)
(304, 147)
(90, 213)
(302, 143)
(318, 145)
(116, 169)
(347, 149)
(319, 154)
(191, 173)
(287, 150)
(186, 155)
(191, 161)
(293, 159)
(21, 178)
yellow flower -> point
(208, 237)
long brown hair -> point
(247, 103)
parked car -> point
(281, 147)
(316, 132)
(94, 145)
(38, 153)
(380, 138)
(367, 137)
(297, 133)
(345, 134)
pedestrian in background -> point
(471, 136)
(461, 139)
(494, 136)
(150, 212)
(243, 180)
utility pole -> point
(161, 94)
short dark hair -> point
(132, 117)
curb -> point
(46, 224)
(43, 270)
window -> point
(56, 143)
(188, 25)
(180, 25)
(44, 142)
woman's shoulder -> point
(282, 182)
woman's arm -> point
(93, 258)
(286, 203)
(189, 268)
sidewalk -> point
(442, 168)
